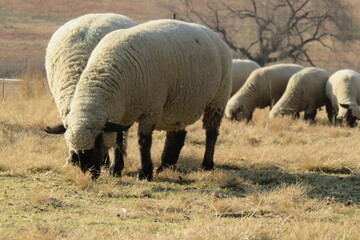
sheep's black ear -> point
(57, 129)
(345, 105)
(114, 127)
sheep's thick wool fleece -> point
(241, 70)
(162, 73)
(69, 50)
(305, 91)
(343, 87)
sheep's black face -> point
(74, 158)
(91, 159)
(237, 114)
(350, 119)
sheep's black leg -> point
(118, 164)
(106, 162)
(173, 145)
(330, 112)
(146, 169)
(310, 116)
(295, 115)
(211, 123)
(211, 137)
(351, 121)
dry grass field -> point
(280, 179)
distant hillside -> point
(27, 25)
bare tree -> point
(268, 31)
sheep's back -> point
(241, 70)
(271, 82)
(313, 81)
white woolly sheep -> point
(263, 88)
(343, 90)
(241, 70)
(163, 74)
(67, 55)
(305, 91)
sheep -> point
(343, 90)
(67, 54)
(263, 88)
(305, 91)
(163, 74)
(241, 70)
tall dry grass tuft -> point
(74, 175)
(33, 84)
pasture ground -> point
(280, 179)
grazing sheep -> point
(305, 91)
(343, 90)
(263, 88)
(163, 74)
(67, 55)
(241, 70)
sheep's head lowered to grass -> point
(237, 113)
(349, 113)
(343, 90)
(281, 112)
(91, 157)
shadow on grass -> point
(337, 184)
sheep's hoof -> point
(207, 167)
(142, 175)
(163, 167)
(114, 173)
(94, 174)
